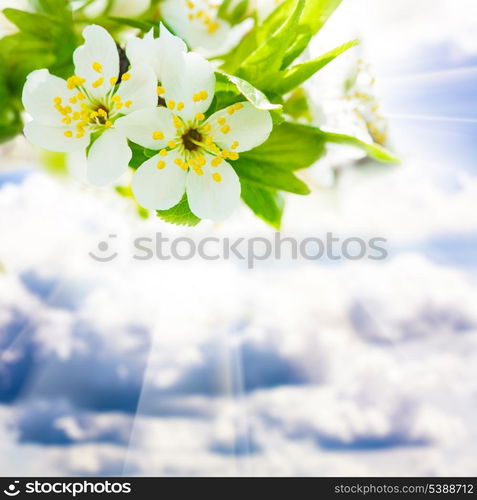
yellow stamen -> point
(161, 165)
(216, 161)
(126, 77)
(231, 110)
(113, 80)
(68, 133)
(217, 177)
(117, 98)
(234, 156)
(57, 100)
(171, 104)
(222, 121)
(235, 145)
(158, 136)
(226, 129)
(98, 67)
(200, 116)
(238, 106)
(180, 106)
(171, 144)
(81, 96)
(67, 120)
(98, 83)
(163, 152)
(161, 90)
(213, 27)
(108, 124)
(128, 104)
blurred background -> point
(295, 368)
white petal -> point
(129, 8)
(209, 199)
(108, 158)
(196, 32)
(140, 89)
(39, 93)
(140, 127)
(151, 51)
(144, 51)
(159, 189)
(53, 138)
(249, 127)
(99, 48)
(188, 75)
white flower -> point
(197, 22)
(192, 149)
(118, 8)
(66, 114)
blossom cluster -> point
(159, 104)
(203, 101)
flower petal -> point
(39, 94)
(97, 60)
(215, 194)
(151, 51)
(129, 8)
(54, 138)
(140, 91)
(150, 128)
(159, 188)
(189, 84)
(206, 31)
(245, 129)
(108, 158)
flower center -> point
(100, 115)
(192, 139)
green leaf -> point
(303, 38)
(290, 147)
(56, 8)
(261, 66)
(28, 22)
(317, 12)
(233, 11)
(314, 15)
(144, 26)
(264, 203)
(297, 105)
(373, 150)
(293, 77)
(247, 90)
(180, 215)
(266, 176)
(140, 155)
